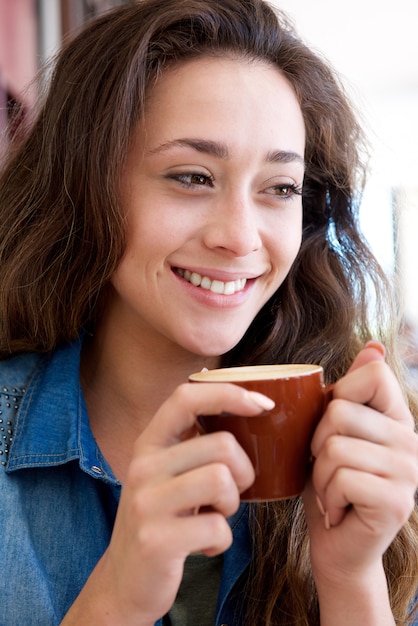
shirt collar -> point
(51, 426)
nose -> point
(234, 226)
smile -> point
(215, 286)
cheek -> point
(144, 237)
(284, 247)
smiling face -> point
(212, 192)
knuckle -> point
(139, 471)
(218, 527)
(414, 470)
(221, 478)
(408, 461)
(335, 410)
(226, 444)
(150, 539)
(182, 393)
(402, 507)
(141, 504)
(334, 448)
(341, 479)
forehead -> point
(224, 99)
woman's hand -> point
(364, 479)
(178, 493)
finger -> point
(220, 447)
(210, 486)
(179, 412)
(377, 503)
(362, 456)
(361, 422)
(372, 351)
(209, 533)
(375, 385)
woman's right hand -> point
(179, 490)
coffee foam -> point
(255, 372)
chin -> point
(212, 349)
(209, 340)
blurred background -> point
(372, 44)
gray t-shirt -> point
(197, 596)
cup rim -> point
(244, 373)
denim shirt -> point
(59, 496)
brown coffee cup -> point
(277, 441)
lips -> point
(220, 287)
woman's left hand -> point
(365, 473)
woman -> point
(187, 198)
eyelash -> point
(293, 190)
(186, 180)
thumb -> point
(372, 351)
(378, 388)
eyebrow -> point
(220, 150)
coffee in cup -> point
(277, 441)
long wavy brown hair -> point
(62, 234)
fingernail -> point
(326, 521)
(320, 506)
(262, 402)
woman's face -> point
(211, 189)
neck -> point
(125, 380)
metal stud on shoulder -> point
(9, 404)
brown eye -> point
(198, 179)
(193, 179)
(285, 191)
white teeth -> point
(216, 286)
(195, 279)
(206, 283)
(230, 288)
